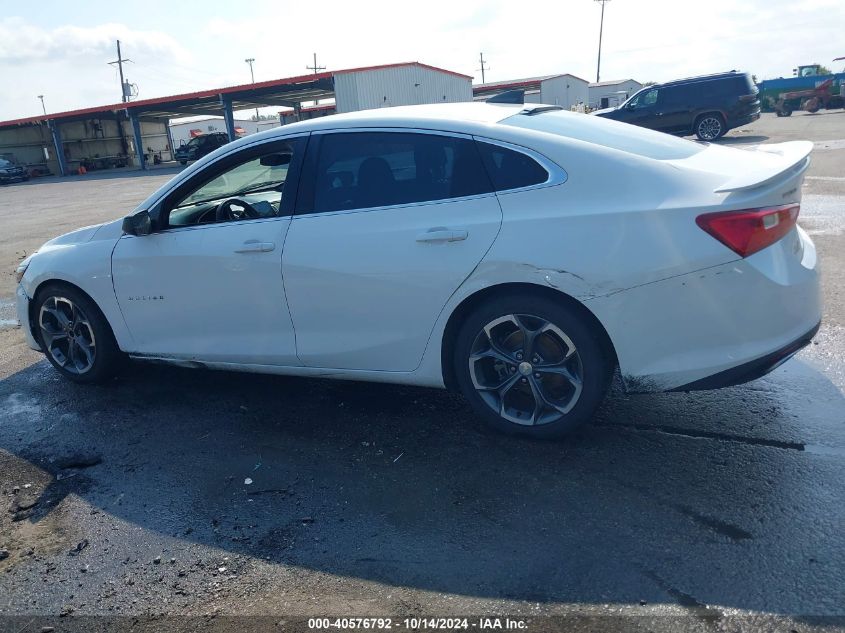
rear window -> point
(509, 169)
(605, 132)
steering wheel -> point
(235, 209)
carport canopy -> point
(289, 92)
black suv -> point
(707, 106)
(199, 146)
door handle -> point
(254, 246)
(441, 234)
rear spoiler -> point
(788, 159)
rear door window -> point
(359, 170)
(676, 96)
(510, 169)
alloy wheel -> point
(526, 369)
(709, 128)
(67, 334)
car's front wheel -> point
(75, 335)
(710, 127)
(531, 365)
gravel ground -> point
(250, 502)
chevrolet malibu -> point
(519, 254)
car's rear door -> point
(388, 225)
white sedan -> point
(519, 254)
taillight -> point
(746, 232)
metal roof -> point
(277, 92)
(527, 83)
(614, 82)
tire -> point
(64, 314)
(569, 367)
(710, 127)
(183, 162)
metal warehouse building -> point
(607, 94)
(138, 133)
(564, 90)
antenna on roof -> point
(509, 96)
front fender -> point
(86, 265)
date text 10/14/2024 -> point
(419, 624)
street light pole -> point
(43, 107)
(601, 28)
(250, 61)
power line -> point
(483, 67)
(119, 61)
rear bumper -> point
(752, 370)
(717, 326)
(744, 120)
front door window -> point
(250, 189)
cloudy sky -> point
(60, 49)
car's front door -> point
(207, 283)
(388, 226)
(641, 109)
(674, 110)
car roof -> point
(445, 116)
(691, 80)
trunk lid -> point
(749, 170)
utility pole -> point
(43, 107)
(315, 67)
(601, 28)
(251, 61)
(483, 67)
(119, 61)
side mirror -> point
(275, 160)
(138, 224)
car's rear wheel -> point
(530, 365)
(709, 127)
(75, 335)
